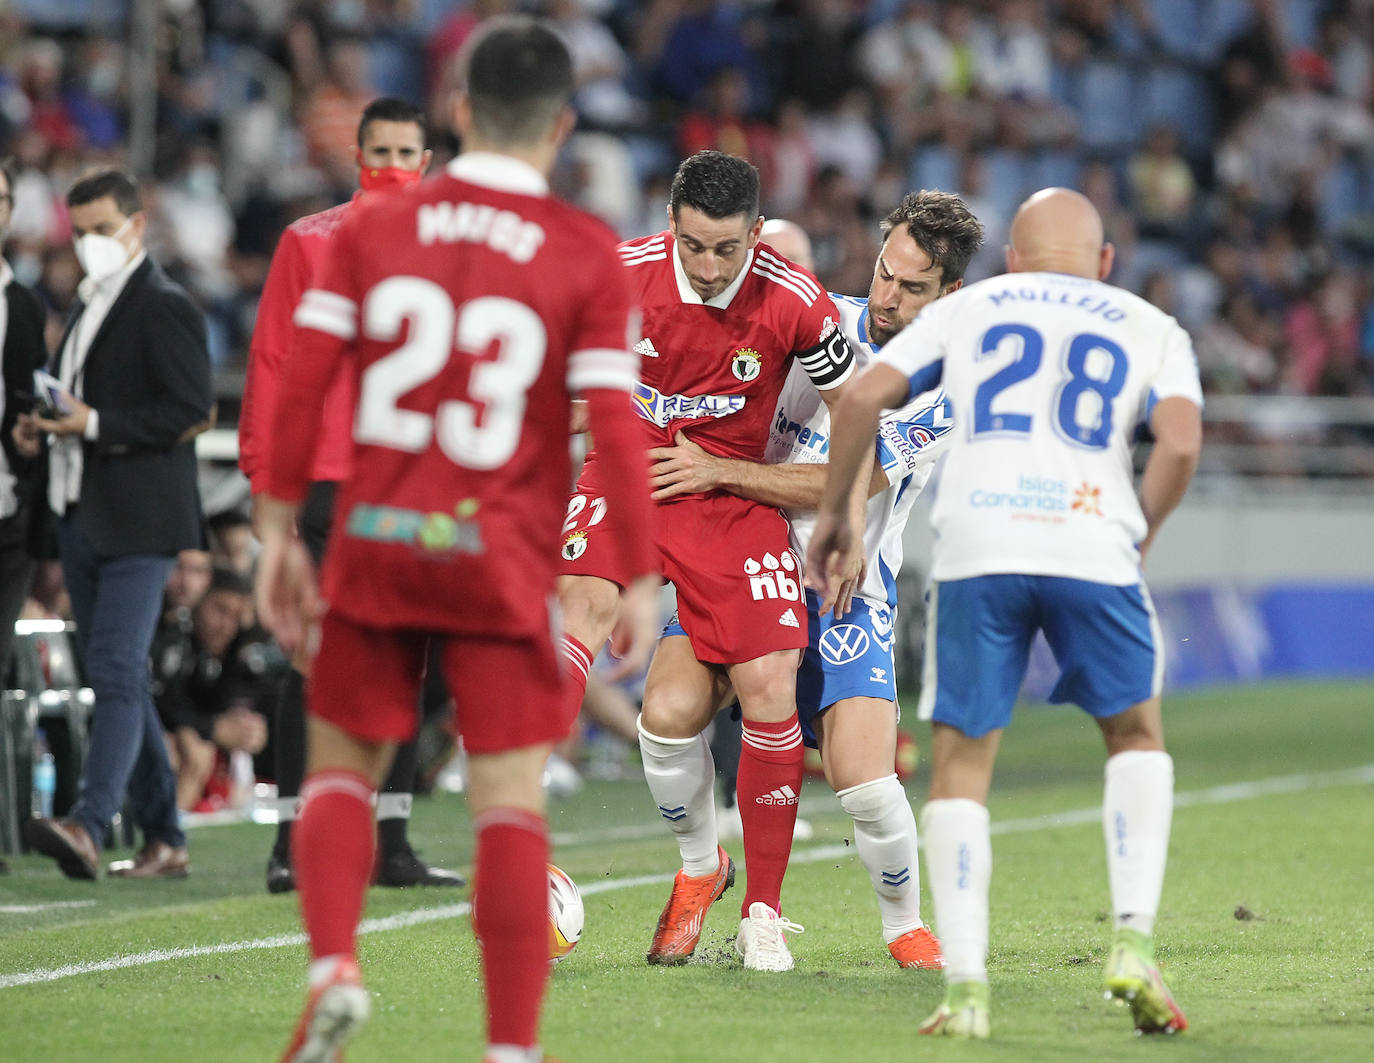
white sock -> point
(288, 809)
(959, 867)
(322, 970)
(885, 836)
(513, 1054)
(394, 806)
(681, 775)
(1137, 810)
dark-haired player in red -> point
(724, 318)
(468, 313)
(391, 155)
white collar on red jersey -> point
(502, 172)
(689, 294)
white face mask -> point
(101, 256)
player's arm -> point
(854, 423)
(686, 469)
(1176, 423)
(268, 352)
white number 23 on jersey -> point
(437, 327)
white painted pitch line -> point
(29, 909)
(1216, 795)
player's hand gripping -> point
(636, 632)
(683, 469)
(835, 562)
(288, 599)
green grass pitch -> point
(1266, 929)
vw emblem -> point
(844, 643)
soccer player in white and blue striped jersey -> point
(846, 686)
(1039, 526)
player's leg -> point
(680, 698)
(590, 607)
(768, 789)
(1108, 645)
(978, 638)
(398, 864)
(508, 696)
(362, 699)
(857, 737)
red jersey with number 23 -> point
(469, 312)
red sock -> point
(767, 786)
(510, 898)
(577, 663)
(331, 852)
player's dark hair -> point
(391, 109)
(717, 184)
(101, 183)
(942, 226)
(519, 79)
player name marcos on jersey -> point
(504, 231)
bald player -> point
(1039, 528)
(789, 239)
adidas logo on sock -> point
(783, 796)
(789, 619)
(645, 347)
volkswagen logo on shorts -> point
(844, 643)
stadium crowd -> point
(1228, 144)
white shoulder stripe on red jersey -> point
(603, 367)
(328, 312)
(654, 245)
(763, 269)
(786, 267)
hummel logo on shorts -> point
(789, 619)
(645, 347)
(783, 796)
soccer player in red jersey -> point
(724, 318)
(391, 155)
(467, 312)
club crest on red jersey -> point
(574, 546)
(746, 364)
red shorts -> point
(739, 586)
(508, 693)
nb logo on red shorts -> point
(770, 578)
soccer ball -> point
(565, 914)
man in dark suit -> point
(122, 481)
(21, 341)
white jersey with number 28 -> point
(1049, 376)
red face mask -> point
(372, 178)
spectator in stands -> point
(1162, 187)
(212, 684)
(331, 112)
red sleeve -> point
(325, 328)
(625, 471)
(273, 333)
(602, 368)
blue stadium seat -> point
(935, 166)
(1223, 21)
(1301, 18)
(1180, 27)
(1109, 106)
(1183, 99)
(1343, 192)
(391, 62)
(1008, 177)
(1054, 168)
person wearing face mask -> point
(391, 156)
(135, 391)
(21, 478)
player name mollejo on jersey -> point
(1092, 304)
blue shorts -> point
(849, 657)
(846, 658)
(1105, 639)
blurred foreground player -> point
(391, 155)
(1039, 528)
(469, 312)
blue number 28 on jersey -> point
(1094, 372)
